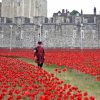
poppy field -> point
(86, 61)
(20, 80)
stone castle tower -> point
(23, 8)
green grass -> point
(83, 81)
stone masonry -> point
(23, 23)
(78, 31)
(23, 8)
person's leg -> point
(41, 65)
(38, 64)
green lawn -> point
(83, 81)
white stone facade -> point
(24, 8)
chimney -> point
(94, 10)
(63, 11)
(66, 11)
(81, 12)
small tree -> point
(74, 12)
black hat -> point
(39, 42)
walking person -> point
(39, 54)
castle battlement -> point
(78, 19)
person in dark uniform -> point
(39, 54)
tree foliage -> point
(74, 12)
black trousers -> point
(40, 65)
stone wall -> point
(52, 35)
(56, 32)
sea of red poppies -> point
(19, 80)
(86, 61)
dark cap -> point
(39, 42)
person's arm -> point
(44, 53)
(35, 52)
